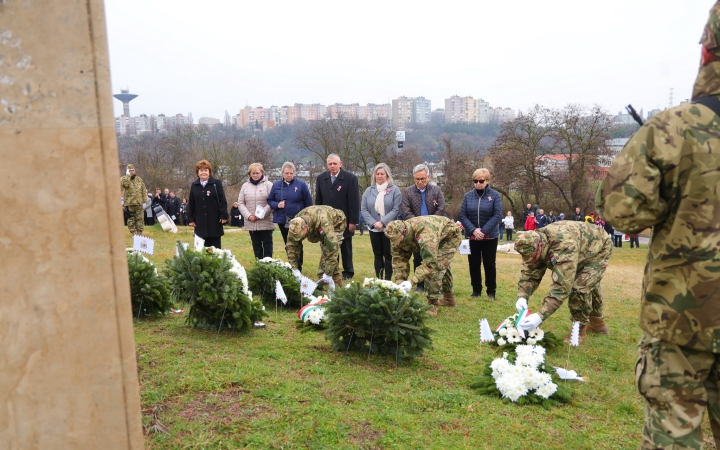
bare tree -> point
(402, 162)
(459, 163)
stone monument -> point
(68, 376)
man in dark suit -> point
(339, 188)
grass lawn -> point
(279, 388)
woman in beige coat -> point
(256, 211)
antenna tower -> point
(671, 98)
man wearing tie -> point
(339, 188)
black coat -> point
(344, 194)
(206, 206)
(236, 219)
(173, 206)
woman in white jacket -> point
(381, 204)
(509, 222)
(256, 211)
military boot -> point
(597, 325)
(581, 335)
(447, 300)
(433, 311)
(337, 278)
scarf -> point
(380, 200)
(259, 180)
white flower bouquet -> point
(507, 336)
(312, 315)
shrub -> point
(148, 291)
(377, 317)
(214, 286)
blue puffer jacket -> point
(296, 195)
(484, 212)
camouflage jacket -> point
(133, 190)
(667, 177)
(567, 247)
(430, 236)
(325, 225)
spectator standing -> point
(634, 241)
(133, 190)
(509, 222)
(541, 219)
(254, 207)
(173, 208)
(560, 217)
(578, 216)
(530, 223)
(666, 177)
(526, 212)
(183, 209)
(618, 235)
(339, 188)
(381, 204)
(422, 199)
(287, 198)
(480, 215)
(551, 218)
(236, 218)
(149, 220)
(207, 208)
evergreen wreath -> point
(377, 317)
(211, 283)
(148, 291)
(261, 281)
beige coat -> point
(250, 196)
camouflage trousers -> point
(135, 222)
(442, 279)
(329, 261)
(586, 299)
(678, 383)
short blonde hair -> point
(483, 172)
(257, 166)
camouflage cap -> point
(295, 231)
(130, 167)
(526, 244)
(394, 231)
(711, 33)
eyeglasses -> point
(479, 181)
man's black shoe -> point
(476, 294)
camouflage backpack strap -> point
(711, 102)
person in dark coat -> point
(288, 197)
(173, 208)
(207, 208)
(183, 209)
(480, 214)
(236, 219)
(339, 188)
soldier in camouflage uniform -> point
(436, 238)
(667, 177)
(135, 194)
(323, 224)
(577, 254)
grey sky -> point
(208, 57)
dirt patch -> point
(365, 436)
(218, 407)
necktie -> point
(332, 179)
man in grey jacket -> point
(423, 199)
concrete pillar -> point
(68, 377)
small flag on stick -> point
(280, 293)
(199, 243)
(486, 334)
(307, 286)
(575, 334)
(143, 244)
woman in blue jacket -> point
(287, 198)
(480, 215)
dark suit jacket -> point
(344, 194)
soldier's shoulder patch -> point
(553, 260)
(554, 276)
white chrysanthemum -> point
(544, 378)
(524, 350)
(532, 380)
(501, 341)
(546, 390)
(499, 367)
(503, 332)
(315, 316)
(531, 341)
(513, 334)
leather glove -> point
(297, 274)
(405, 286)
(530, 322)
(328, 280)
(521, 304)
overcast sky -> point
(211, 56)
